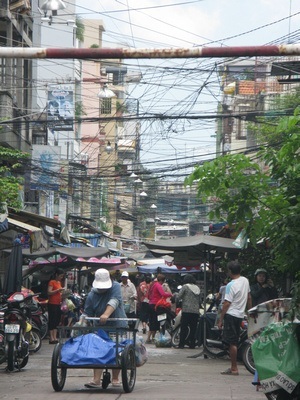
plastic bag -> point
(64, 307)
(70, 305)
(89, 349)
(288, 374)
(276, 356)
(141, 354)
(81, 323)
(162, 340)
(162, 303)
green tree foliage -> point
(10, 182)
(79, 28)
(263, 196)
(265, 127)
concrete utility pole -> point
(108, 53)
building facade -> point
(250, 90)
(16, 25)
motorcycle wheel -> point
(23, 362)
(35, 340)
(248, 358)
(44, 327)
(11, 355)
(168, 326)
(2, 348)
(280, 394)
(176, 336)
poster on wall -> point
(45, 168)
(60, 107)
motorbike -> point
(216, 348)
(165, 316)
(15, 331)
(38, 317)
(210, 319)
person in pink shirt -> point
(156, 292)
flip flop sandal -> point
(229, 372)
(92, 385)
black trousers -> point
(188, 320)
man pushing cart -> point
(106, 344)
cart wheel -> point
(106, 379)
(58, 373)
(128, 366)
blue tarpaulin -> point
(164, 269)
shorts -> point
(231, 331)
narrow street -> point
(169, 374)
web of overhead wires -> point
(168, 87)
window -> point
(105, 106)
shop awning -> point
(60, 231)
(33, 219)
(191, 251)
(84, 252)
(164, 269)
(71, 252)
(201, 242)
(34, 232)
(91, 228)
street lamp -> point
(106, 93)
(108, 148)
(49, 19)
(154, 208)
(53, 5)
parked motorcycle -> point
(165, 316)
(210, 319)
(19, 335)
(14, 331)
(215, 348)
(38, 317)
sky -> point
(188, 87)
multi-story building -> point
(109, 144)
(249, 90)
(57, 180)
(16, 25)
(176, 212)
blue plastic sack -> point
(89, 349)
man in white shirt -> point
(129, 295)
(237, 297)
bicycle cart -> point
(124, 341)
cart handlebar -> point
(111, 319)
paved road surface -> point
(169, 374)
